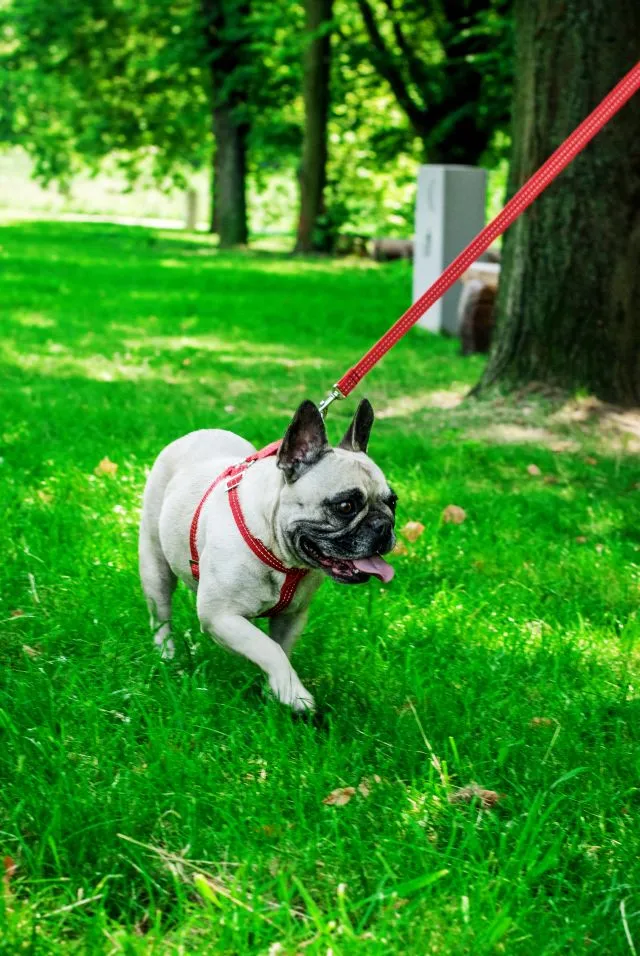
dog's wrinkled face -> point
(336, 511)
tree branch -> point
(389, 69)
(413, 63)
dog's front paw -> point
(165, 645)
(290, 690)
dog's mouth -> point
(347, 570)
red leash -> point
(233, 475)
(561, 158)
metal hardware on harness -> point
(334, 395)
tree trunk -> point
(313, 174)
(569, 301)
(213, 201)
(227, 43)
(230, 201)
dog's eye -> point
(346, 507)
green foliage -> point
(170, 808)
(276, 123)
(131, 82)
(131, 79)
(105, 77)
(449, 67)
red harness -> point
(233, 475)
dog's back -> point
(178, 479)
(191, 453)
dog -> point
(255, 533)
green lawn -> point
(171, 808)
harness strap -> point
(293, 578)
(254, 543)
(194, 562)
(234, 475)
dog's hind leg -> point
(158, 584)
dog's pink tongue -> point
(376, 565)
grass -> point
(153, 808)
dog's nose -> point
(383, 530)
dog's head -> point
(337, 511)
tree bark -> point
(311, 237)
(226, 39)
(569, 300)
(213, 207)
(230, 199)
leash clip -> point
(334, 394)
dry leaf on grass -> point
(542, 722)
(9, 867)
(340, 796)
(412, 530)
(487, 798)
(400, 548)
(550, 480)
(365, 785)
(534, 471)
(45, 497)
(590, 461)
(581, 539)
(106, 467)
(31, 651)
(17, 613)
(454, 514)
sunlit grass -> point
(169, 809)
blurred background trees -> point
(449, 67)
(343, 98)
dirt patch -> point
(617, 428)
(506, 433)
(410, 404)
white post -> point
(191, 217)
(450, 211)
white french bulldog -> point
(257, 541)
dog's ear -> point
(357, 436)
(304, 443)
